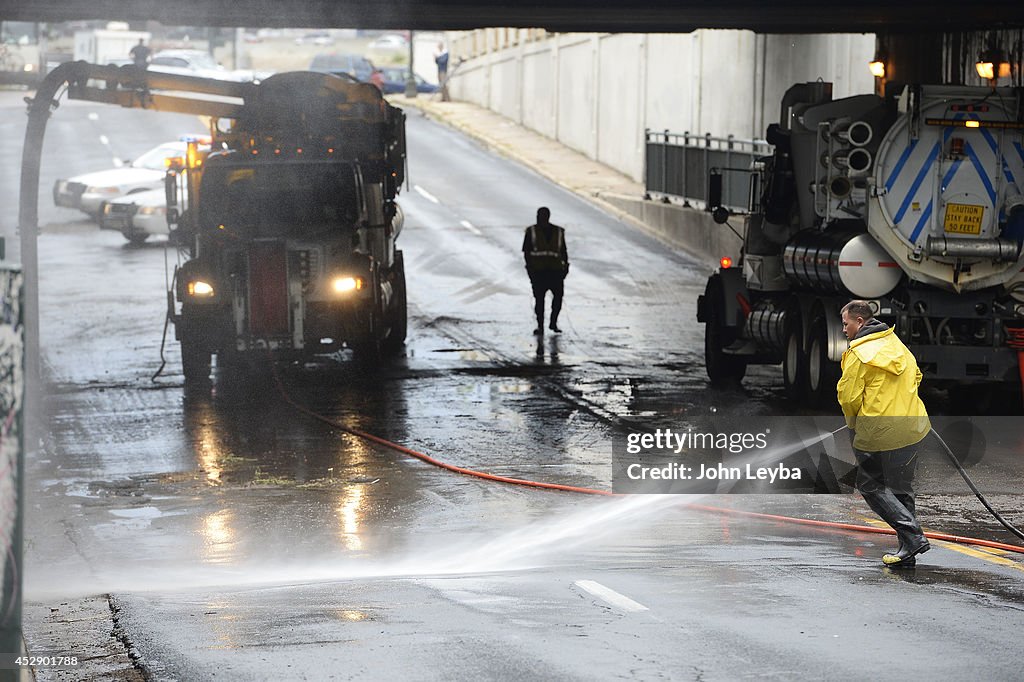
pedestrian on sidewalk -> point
(547, 264)
(441, 59)
(878, 395)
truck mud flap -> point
(268, 289)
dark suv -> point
(340, 63)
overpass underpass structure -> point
(648, 16)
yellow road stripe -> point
(991, 555)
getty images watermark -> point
(744, 454)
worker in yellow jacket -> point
(878, 395)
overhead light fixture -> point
(877, 65)
(992, 65)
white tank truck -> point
(912, 203)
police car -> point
(89, 192)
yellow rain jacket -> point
(878, 393)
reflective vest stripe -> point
(534, 251)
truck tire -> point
(723, 369)
(399, 327)
(822, 374)
(794, 360)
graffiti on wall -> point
(12, 391)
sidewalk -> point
(683, 228)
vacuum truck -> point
(292, 225)
(913, 203)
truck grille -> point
(307, 264)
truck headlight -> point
(344, 285)
(102, 190)
(200, 288)
(151, 210)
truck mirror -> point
(718, 212)
(171, 191)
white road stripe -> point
(93, 116)
(105, 140)
(609, 595)
(425, 194)
(469, 226)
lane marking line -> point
(469, 226)
(609, 595)
(93, 116)
(104, 140)
(425, 194)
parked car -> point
(138, 216)
(315, 38)
(88, 192)
(340, 63)
(395, 77)
(192, 63)
(391, 41)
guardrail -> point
(677, 165)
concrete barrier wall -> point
(688, 228)
(576, 95)
(596, 93)
(540, 73)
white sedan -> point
(391, 41)
(137, 216)
(89, 192)
(193, 63)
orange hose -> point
(862, 529)
(593, 491)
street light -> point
(410, 81)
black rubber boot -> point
(905, 556)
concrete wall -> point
(596, 93)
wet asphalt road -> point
(242, 540)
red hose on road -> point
(593, 491)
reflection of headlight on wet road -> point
(344, 285)
(350, 512)
(218, 536)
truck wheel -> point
(723, 369)
(195, 362)
(822, 373)
(794, 361)
(399, 326)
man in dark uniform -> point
(140, 54)
(547, 263)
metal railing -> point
(677, 165)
